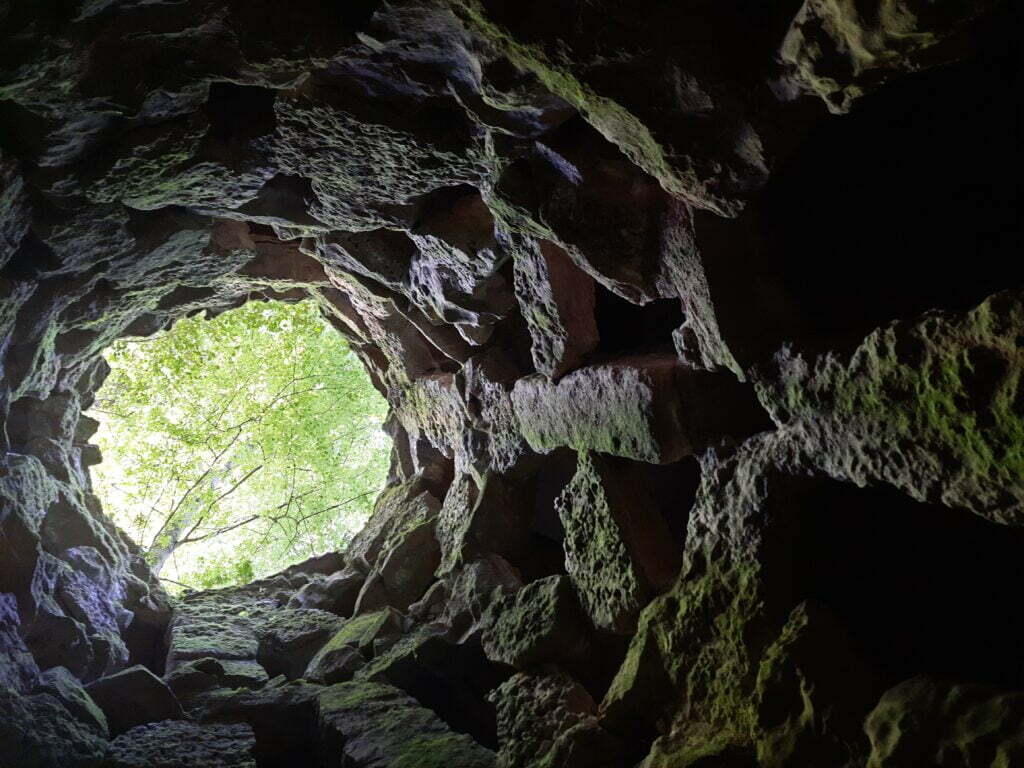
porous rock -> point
(547, 718)
(38, 732)
(133, 697)
(540, 623)
(174, 743)
(927, 720)
(371, 725)
(618, 550)
(289, 638)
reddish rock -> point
(619, 550)
(556, 299)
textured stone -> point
(812, 692)
(282, 714)
(369, 725)
(925, 720)
(451, 679)
(206, 629)
(841, 51)
(18, 670)
(67, 689)
(290, 637)
(407, 566)
(338, 664)
(647, 408)
(491, 514)
(204, 674)
(134, 697)
(396, 507)
(548, 719)
(929, 405)
(38, 732)
(243, 674)
(177, 743)
(627, 408)
(618, 550)
(617, 230)
(556, 299)
(539, 623)
(362, 634)
(336, 593)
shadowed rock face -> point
(702, 328)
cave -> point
(700, 332)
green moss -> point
(445, 751)
(346, 696)
(356, 631)
(943, 392)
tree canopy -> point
(236, 445)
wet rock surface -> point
(701, 327)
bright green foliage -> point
(235, 446)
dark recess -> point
(922, 588)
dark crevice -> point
(453, 681)
(873, 217)
(239, 115)
(627, 328)
(856, 251)
(921, 588)
(545, 555)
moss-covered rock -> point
(370, 725)
(926, 720)
(540, 623)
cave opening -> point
(654, 482)
(237, 443)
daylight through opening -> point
(236, 445)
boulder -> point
(18, 669)
(134, 697)
(540, 623)
(371, 725)
(556, 299)
(363, 634)
(335, 593)
(407, 565)
(290, 637)
(204, 674)
(337, 665)
(281, 713)
(930, 721)
(619, 551)
(37, 731)
(450, 678)
(211, 627)
(67, 689)
(545, 718)
(397, 507)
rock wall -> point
(701, 326)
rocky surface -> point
(700, 325)
(173, 743)
(132, 697)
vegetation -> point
(237, 445)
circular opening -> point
(236, 445)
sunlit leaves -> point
(239, 444)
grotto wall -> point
(701, 325)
